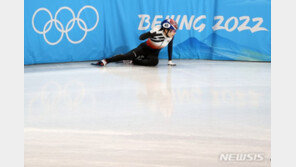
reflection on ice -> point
(124, 115)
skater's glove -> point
(153, 34)
(170, 63)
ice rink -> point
(78, 115)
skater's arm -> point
(147, 35)
(170, 51)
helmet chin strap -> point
(166, 34)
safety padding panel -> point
(81, 30)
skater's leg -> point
(131, 55)
(148, 61)
(137, 55)
(128, 56)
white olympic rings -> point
(61, 28)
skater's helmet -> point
(169, 24)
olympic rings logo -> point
(69, 25)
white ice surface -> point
(77, 115)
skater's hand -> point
(170, 63)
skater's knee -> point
(146, 62)
(154, 63)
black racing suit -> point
(143, 55)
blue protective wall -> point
(79, 30)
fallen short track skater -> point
(146, 54)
